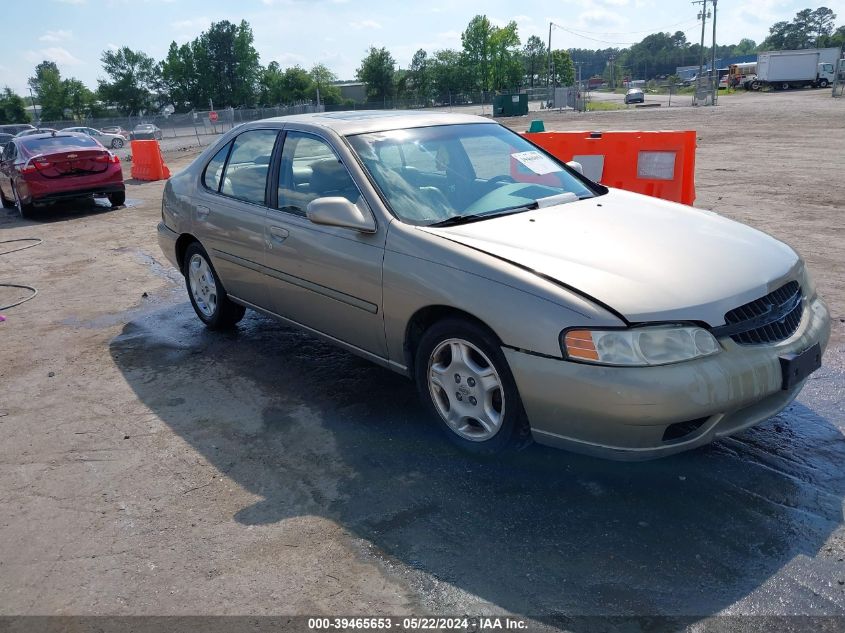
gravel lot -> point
(148, 467)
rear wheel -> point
(208, 297)
(784, 86)
(465, 381)
(117, 198)
(26, 210)
(7, 204)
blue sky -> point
(73, 33)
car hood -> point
(647, 259)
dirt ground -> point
(149, 467)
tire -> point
(116, 143)
(7, 204)
(208, 297)
(784, 86)
(755, 85)
(26, 210)
(117, 198)
(454, 360)
(823, 83)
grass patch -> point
(597, 106)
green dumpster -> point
(510, 105)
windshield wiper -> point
(477, 217)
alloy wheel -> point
(466, 389)
(203, 285)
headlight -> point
(638, 347)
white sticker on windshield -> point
(536, 162)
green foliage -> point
(49, 91)
(323, 79)
(220, 66)
(809, 28)
(535, 61)
(377, 71)
(132, 75)
(12, 109)
(563, 70)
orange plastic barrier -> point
(660, 164)
(147, 161)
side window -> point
(310, 169)
(246, 172)
(214, 169)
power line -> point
(654, 30)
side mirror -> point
(338, 211)
(574, 164)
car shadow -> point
(544, 533)
(62, 211)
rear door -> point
(325, 278)
(229, 212)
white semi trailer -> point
(795, 69)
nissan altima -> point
(524, 300)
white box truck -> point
(796, 69)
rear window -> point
(56, 143)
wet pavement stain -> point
(740, 524)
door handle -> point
(278, 234)
(202, 212)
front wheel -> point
(208, 297)
(823, 83)
(464, 379)
(117, 143)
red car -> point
(57, 166)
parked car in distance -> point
(116, 129)
(35, 130)
(14, 128)
(114, 141)
(634, 95)
(525, 300)
(5, 138)
(42, 168)
(145, 131)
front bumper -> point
(623, 413)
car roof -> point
(362, 121)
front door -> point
(325, 278)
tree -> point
(421, 75)
(78, 97)
(448, 74)
(821, 24)
(132, 75)
(506, 64)
(563, 70)
(746, 46)
(535, 58)
(182, 77)
(49, 91)
(477, 51)
(228, 63)
(377, 71)
(12, 108)
(323, 80)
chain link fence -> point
(196, 127)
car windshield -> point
(444, 173)
(50, 144)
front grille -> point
(768, 319)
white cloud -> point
(56, 36)
(365, 24)
(54, 54)
(191, 24)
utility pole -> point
(34, 109)
(703, 17)
(713, 59)
(549, 84)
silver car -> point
(526, 301)
(114, 141)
